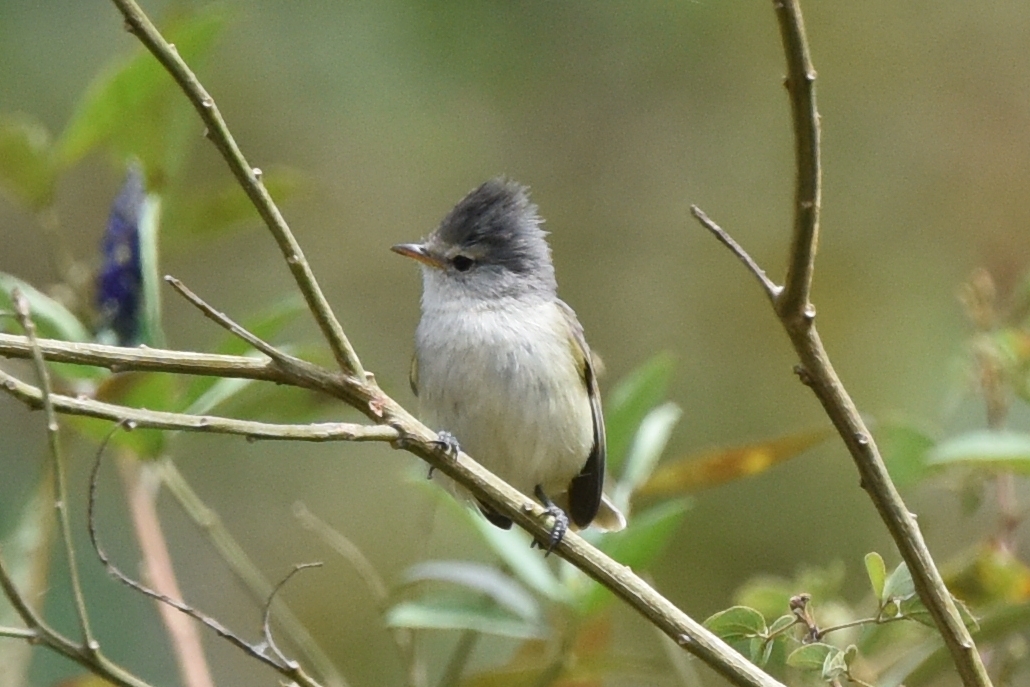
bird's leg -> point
(449, 443)
(561, 520)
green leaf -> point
(223, 389)
(877, 572)
(737, 622)
(913, 609)
(899, 584)
(646, 536)
(456, 614)
(997, 450)
(503, 590)
(27, 167)
(152, 333)
(512, 546)
(781, 624)
(904, 450)
(646, 449)
(811, 656)
(53, 320)
(630, 401)
(834, 665)
(135, 106)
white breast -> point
(503, 380)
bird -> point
(501, 364)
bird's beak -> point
(419, 252)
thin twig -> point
(21, 308)
(244, 568)
(254, 651)
(155, 419)
(771, 288)
(224, 321)
(266, 619)
(19, 633)
(250, 180)
(403, 638)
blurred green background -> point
(619, 116)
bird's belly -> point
(515, 403)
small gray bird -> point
(501, 364)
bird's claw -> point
(449, 443)
(560, 526)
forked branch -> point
(797, 314)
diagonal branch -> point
(250, 180)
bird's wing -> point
(413, 375)
(585, 488)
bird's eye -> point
(462, 263)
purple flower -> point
(120, 282)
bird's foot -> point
(449, 443)
(561, 522)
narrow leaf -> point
(631, 399)
(451, 614)
(512, 546)
(646, 449)
(53, 320)
(716, 466)
(485, 579)
(998, 450)
(134, 104)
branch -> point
(224, 321)
(244, 568)
(142, 359)
(155, 419)
(289, 669)
(21, 309)
(800, 83)
(250, 180)
(797, 316)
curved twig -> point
(289, 670)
